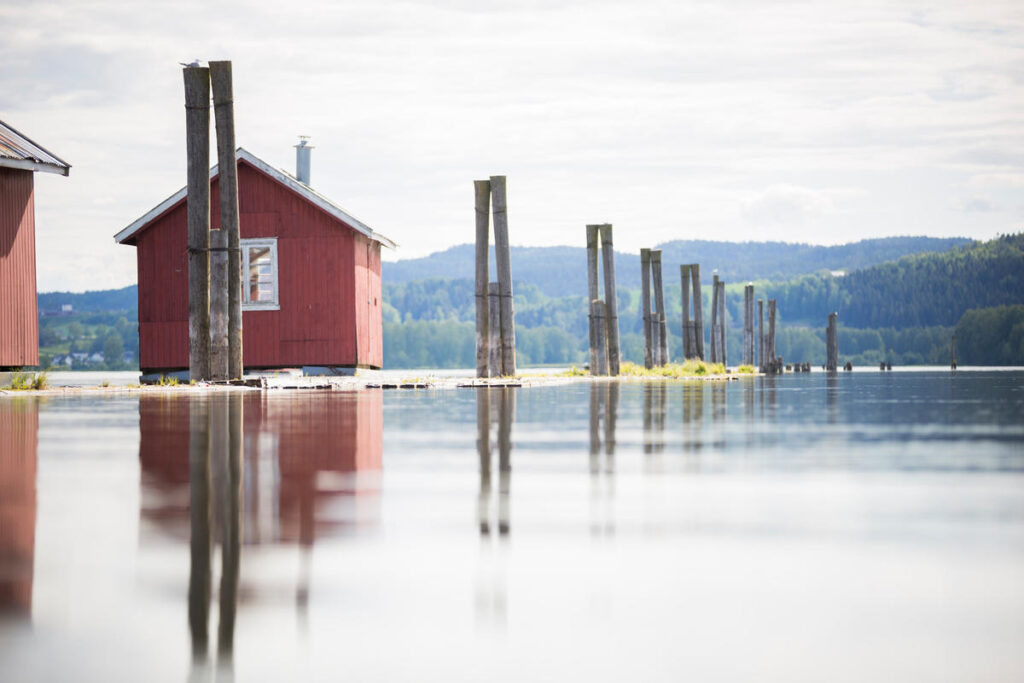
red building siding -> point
(328, 284)
(19, 424)
(19, 326)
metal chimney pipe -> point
(302, 154)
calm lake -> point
(865, 526)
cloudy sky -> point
(821, 122)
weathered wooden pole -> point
(197, 142)
(684, 282)
(661, 349)
(715, 355)
(597, 313)
(722, 356)
(698, 316)
(227, 172)
(611, 301)
(494, 330)
(200, 542)
(748, 324)
(771, 332)
(761, 353)
(483, 447)
(218, 305)
(482, 200)
(503, 261)
(592, 291)
(645, 305)
(832, 341)
(952, 352)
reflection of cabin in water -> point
(19, 423)
(310, 465)
(311, 275)
(20, 158)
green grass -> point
(166, 381)
(746, 370)
(690, 368)
(27, 381)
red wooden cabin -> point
(20, 158)
(311, 277)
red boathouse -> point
(20, 158)
(310, 272)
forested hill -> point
(124, 299)
(561, 271)
(927, 289)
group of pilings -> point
(693, 329)
(655, 327)
(495, 314)
(604, 313)
(214, 256)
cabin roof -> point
(17, 151)
(283, 177)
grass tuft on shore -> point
(27, 381)
(690, 368)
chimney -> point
(302, 152)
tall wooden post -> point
(832, 343)
(227, 172)
(645, 305)
(482, 197)
(197, 141)
(748, 324)
(494, 330)
(715, 355)
(611, 301)
(698, 316)
(218, 305)
(600, 366)
(503, 261)
(722, 356)
(684, 290)
(661, 349)
(592, 291)
(771, 332)
(761, 353)
(952, 352)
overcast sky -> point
(821, 122)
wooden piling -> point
(658, 322)
(218, 305)
(832, 343)
(952, 352)
(687, 326)
(714, 318)
(772, 354)
(592, 291)
(721, 323)
(482, 201)
(197, 142)
(698, 316)
(762, 365)
(503, 260)
(748, 324)
(611, 301)
(597, 313)
(494, 330)
(227, 182)
(645, 306)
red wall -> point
(19, 326)
(328, 284)
(19, 424)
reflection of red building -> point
(19, 428)
(306, 456)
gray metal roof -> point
(17, 151)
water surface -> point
(808, 527)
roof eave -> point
(34, 165)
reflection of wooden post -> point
(199, 520)
(611, 413)
(611, 301)
(597, 314)
(698, 317)
(227, 182)
(596, 398)
(506, 416)
(494, 329)
(482, 192)
(197, 141)
(748, 324)
(645, 306)
(684, 281)
(592, 291)
(659, 308)
(483, 447)
(503, 260)
(230, 417)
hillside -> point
(561, 271)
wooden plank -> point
(482, 200)
(503, 261)
(197, 142)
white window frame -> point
(248, 305)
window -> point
(259, 270)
